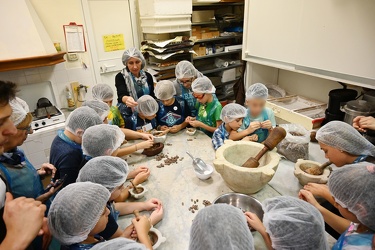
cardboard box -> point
(198, 35)
(215, 33)
(206, 35)
(201, 51)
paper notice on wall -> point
(75, 39)
(113, 42)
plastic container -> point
(165, 7)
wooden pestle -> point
(275, 137)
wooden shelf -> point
(214, 70)
(217, 39)
(32, 62)
(217, 54)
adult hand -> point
(146, 136)
(152, 204)
(141, 177)
(145, 144)
(309, 197)
(362, 123)
(176, 128)
(47, 169)
(254, 222)
(196, 124)
(266, 124)
(157, 215)
(23, 218)
(317, 189)
(130, 232)
(253, 126)
(130, 102)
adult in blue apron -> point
(132, 83)
(186, 73)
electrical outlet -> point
(72, 57)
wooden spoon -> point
(275, 137)
(318, 170)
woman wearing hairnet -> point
(342, 145)
(186, 73)
(220, 226)
(290, 223)
(132, 82)
(111, 172)
(352, 188)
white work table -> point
(175, 185)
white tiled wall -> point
(58, 75)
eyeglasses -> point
(28, 129)
(198, 96)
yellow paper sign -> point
(113, 42)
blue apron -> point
(261, 132)
(361, 240)
(187, 95)
(172, 120)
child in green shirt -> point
(208, 106)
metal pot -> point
(357, 108)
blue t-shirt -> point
(174, 114)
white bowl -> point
(207, 174)
(160, 240)
(140, 195)
(159, 139)
(191, 132)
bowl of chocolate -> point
(159, 136)
(191, 131)
(156, 237)
(304, 177)
(138, 192)
(154, 150)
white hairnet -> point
(220, 226)
(344, 137)
(232, 111)
(119, 244)
(101, 140)
(19, 110)
(135, 53)
(100, 107)
(75, 211)
(108, 171)
(203, 85)
(81, 119)
(186, 69)
(164, 90)
(102, 92)
(294, 224)
(257, 91)
(147, 105)
(353, 188)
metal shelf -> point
(214, 70)
(218, 4)
(217, 54)
(204, 23)
(217, 39)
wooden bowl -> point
(154, 150)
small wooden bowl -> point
(154, 150)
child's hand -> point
(142, 225)
(145, 144)
(176, 128)
(130, 233)
(250, 138)
(146, 136)
(266, 124)
(190, 118)
(362, 123)
(253, 126)
(157, 215)
(163, 128)
(141, 177)
(254, 222)
(195, 124)
(140, 170)
(317, 189)
(309, 197)
(152, 204)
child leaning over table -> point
(259, 120)
(172, 109)
(144, 116)
(232, 116)
(209, 108)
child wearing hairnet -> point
(104, 93)
(186, 73)
(342, 145)
(232, 116)
(290, 223)
(352, 188)
(105, 140)
(66, 152)
(144, 116)
(208, 106)
(259, 120)
(111, 172)
(220, 226)
(100, 107)
(173, 110)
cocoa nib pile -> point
(194, 207)
(168, 160)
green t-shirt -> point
(209, 114)
(115, 118)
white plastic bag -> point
(296, 143)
